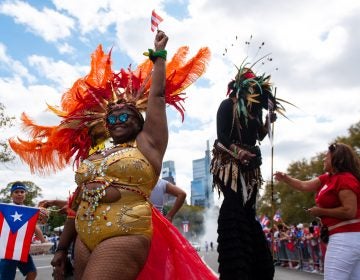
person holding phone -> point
(338, 205)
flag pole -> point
(272, 176)
(272, 167)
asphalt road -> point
(44, 268)
(281, 273)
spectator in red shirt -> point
(338, 204)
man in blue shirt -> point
(8, 267)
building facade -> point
(201, 185)
(168, 173)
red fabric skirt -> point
(171, 256)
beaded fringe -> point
(227, 170)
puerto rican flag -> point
(277, 217)
(155, 20)
(185, 226)
(17, 226)
(264, 221)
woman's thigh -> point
(81, 257)
(121, 255)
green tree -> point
(293, 202)
(33, 193)
(56, 219)
(354, 137)
(195, 216)
(5, 152)
(265, 205)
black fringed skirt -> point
(242, 247)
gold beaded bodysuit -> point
(131, 214)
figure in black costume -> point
(242, 247)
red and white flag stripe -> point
(16, 246)
(155, 20)
(185, 227)
(264, 221)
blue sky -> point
(46, 45)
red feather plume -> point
(51, 148)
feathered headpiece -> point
(84, 107)
(254, 92)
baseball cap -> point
(18, 186)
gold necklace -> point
(93, 196)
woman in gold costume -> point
(115, 224)
(113, 220)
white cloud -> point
(56, 186)
(18, 99)
(13, 66)
(63, 73)
(99, 14)
(65, 48)
(89, 14)
(47, 23)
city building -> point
(201, 185)
(168, 173)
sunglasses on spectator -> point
(332, 147)
(122, 118)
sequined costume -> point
(131, 214)
(171, 256)
(83, 111)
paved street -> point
(280, 273)
(44, 269)
(43, 266)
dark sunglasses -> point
(122, 118)
(332, 147)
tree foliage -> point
(33, 193)
(5, 152)
(56, 219)
(354, 137)
(291, 202)
(193, 214)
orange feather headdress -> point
(84, 107)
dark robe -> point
(242, 247)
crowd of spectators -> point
(297, 246)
